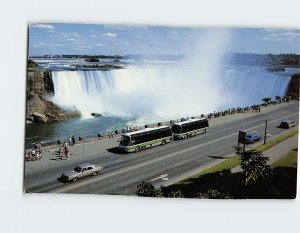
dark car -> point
(287, 124)
(252, 137)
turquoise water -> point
(51, 132)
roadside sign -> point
(242, 137)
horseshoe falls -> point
(164, 92)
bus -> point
(148, 137)
(189, 128)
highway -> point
(160, 165)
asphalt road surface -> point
(159, 165)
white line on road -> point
(163, 177)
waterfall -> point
(165, 92)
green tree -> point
(213, 194)
(267, 100)
(254, 166)
(146, 189)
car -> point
(80, 171)
(252, 137)
(287, 124)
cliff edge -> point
(39, 88)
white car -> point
(80, 171)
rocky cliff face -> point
(38, 82)
(294, 84)
(39, 87)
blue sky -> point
(141, 39)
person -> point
(33, 154)
(73, 140)
(70, 141)
(66, 151)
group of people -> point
(35, 153)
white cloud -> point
(126, 43)
(99, 45)
(93, 35)
(281, 35)
(56, 45)
(70, 39)
(109, 34)
(43, 26)
(75, 34)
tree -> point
(266, 100)
(213, 194)
(278, 98)
(254, 166)
(176, 194)
(146, 189)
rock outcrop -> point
(38, 89)
(39, 118)
(294, 84)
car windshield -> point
(77, 169)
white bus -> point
(189, 128)
(148, 137)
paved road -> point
(161, 165)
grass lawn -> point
(289, 160)
(277, 140)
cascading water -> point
(164, 92)
(248, 86)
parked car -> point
(80, 171)
(287, 124)
(252, 137)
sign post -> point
(242, 138)
(266, 125)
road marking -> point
(146, 163)
(269, 135)
(163, 177)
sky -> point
(92, 39)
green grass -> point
(289, 160)
(277, 140)
(227, 164)
(234, 160)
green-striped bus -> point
(148, 137)
(189, 128)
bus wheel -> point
(137, 149)
(163, 142)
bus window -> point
(125, 141)
(176, 129)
